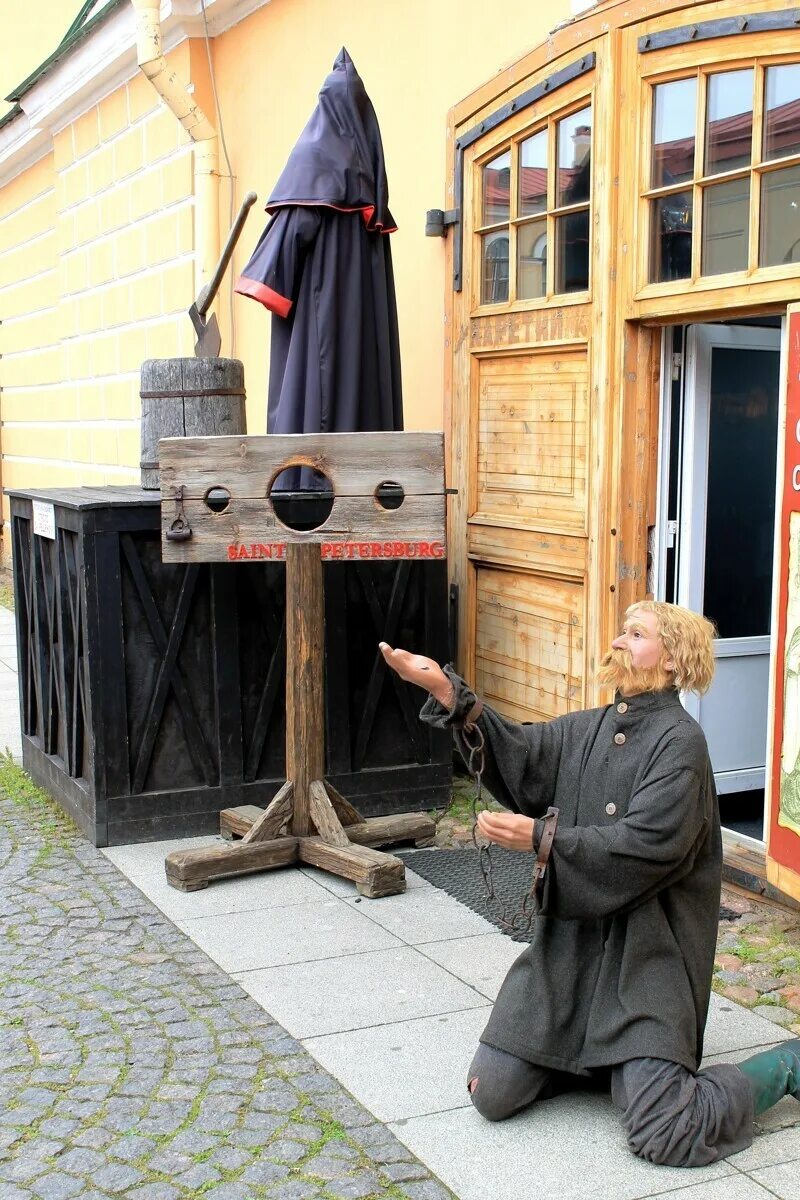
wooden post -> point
(326, 830)
(305, 690)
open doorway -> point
(715, 534)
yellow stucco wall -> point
(97, 237)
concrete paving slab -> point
(782, 1181)
(731, 1027)
(571, 1147)
(408, 1068)
(730, 1187)
(426, 915)
(770, 1150)
(358, 991)
(264, 937)
(266, 890)
(482, 962)
(346, 887)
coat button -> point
(611, 809)
(622, 708)
(619, 738)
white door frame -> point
(689, 537)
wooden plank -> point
(374, 873)
(323, 815)
(235, 822)
(305, 666)
(274, 818)
(190, 870)
(249, 530)
(355, 463)
(347, 814)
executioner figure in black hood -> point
(323, 267)
(615, 986)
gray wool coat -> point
(622, 956)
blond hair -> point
(688, 640)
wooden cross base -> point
(343, 845)
(307, 821)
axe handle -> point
(206, 297)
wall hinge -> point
(437, 220)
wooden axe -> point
(208, 336)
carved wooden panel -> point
(533, 416)
(529, 643)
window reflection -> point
(780, 217)
(532, 264)
(574, 158)
(497, 189)
(729, 121)
(671, 248)
(674, 108)
(572, 249)
(782, 111)
(533, 175)
(494, 273)
(726, 219)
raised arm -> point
(520, 759)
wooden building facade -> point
(623, 256)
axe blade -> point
(209, 340)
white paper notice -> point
(44, 519)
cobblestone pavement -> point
(132, 1065)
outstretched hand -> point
(424, 672)
(511, 830)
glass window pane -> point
(674, 109)
(729, 121)
(574, 158)
(671, 238)
(782, 111)
(780, 217)
(532, 260)
(572, 252)
(494, 267)
(533, 175)
(497, 190)
(740, 520)
(726, 216)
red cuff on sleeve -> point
(274, 301)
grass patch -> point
(55, 827)
(7, 597)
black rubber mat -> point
(457, 872)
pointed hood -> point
(337, 161)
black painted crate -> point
(152, 695)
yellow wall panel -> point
(79, 444)
(163, 339)
(161, 138)
(105, 445)
(30, 295)
(128, 153)
(76, 184)
(44, 365)
(101, 169)
(161, 238)
(129, 445)
(27, 222)
(142, 98)
(86, 133)
(27, 333)
(121, 400)
(177, 287)
(177, 179)
(100, 263)
(89, 400)
(132, 345)
(31, 184)
(129, 251)
(63, 152)
(113, 114)
(146, 194)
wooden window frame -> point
(759, 167)
(552, 213)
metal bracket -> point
(437, 221)
(551, 84)
(787, 18)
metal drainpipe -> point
(206, 150)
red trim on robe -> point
(367, 212)
(272, 300)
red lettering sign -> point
(237, 551)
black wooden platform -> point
(152, 695)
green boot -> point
(773, 1074)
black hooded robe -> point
(323, 267)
